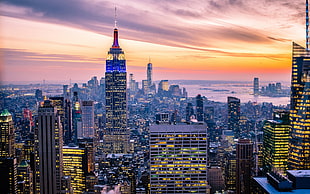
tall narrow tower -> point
(116, 133)
(244, 165)
(88, 119)
(256, 86)
(48, 150)
(149, 74)
(307, 25)
(299, 145)
(234, 115)
(199, 108)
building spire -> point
(115, 41)
(307, 25)
(115, 18)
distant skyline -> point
(56, 40)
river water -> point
(219, 91)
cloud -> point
(218, 29)
(24, 55)
(279, 39)
(163, 22)
(25, 65)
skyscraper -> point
(299, 146)
(132, 83)
(73, 161)
(199, 108)
(163, 86)
(64, 110)
(149, 79)
(116, 132)
(8, 178)
(178, 155)
(244, 165)
(24, 178)
(230, 171)
(66, 92)
(189, 111)
(88, 120)
(256, 86)
(76, 117)
(145, 87)
(149, 74)
(275, 143)
(48, 150)
(8, 163)
(234, 115)
(7, 136)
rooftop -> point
(262, 181)
(299, 173)
(5, 112)
(166, 128)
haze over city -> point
(205, 40)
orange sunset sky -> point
(59, 40)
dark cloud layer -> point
(98, 17)
(24, 55)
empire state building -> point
(116, 133)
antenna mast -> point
(115, 17)
(307, 25)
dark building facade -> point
(49, 144)
(256, 86)
(244, 165)
(7, 152)
(199, 108)
(234, 115)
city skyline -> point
(185, 40)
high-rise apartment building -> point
(116, 132)
(48, 151)
(299, 146)
(178, 155)
(234, 115)
(244, 165)
(275, 142)
(199, 108)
